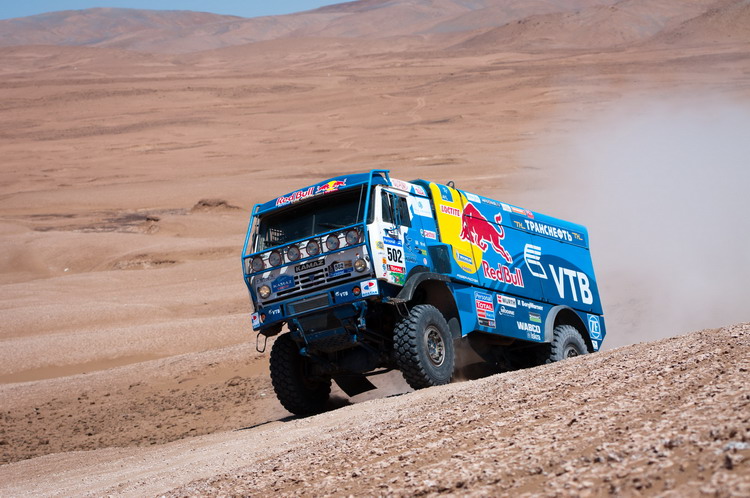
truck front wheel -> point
(297, 391)
(423, 347)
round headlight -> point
(360, 265)
(352, 237)
(312, 248)
(264, 291)
(258, 264)
(332, 242)
(292, 253)
(274, 259)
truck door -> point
(396, 250)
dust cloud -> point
(663, 188)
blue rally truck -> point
(370, 273)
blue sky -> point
(249, 8)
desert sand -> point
(129, 169)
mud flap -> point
(353, 384)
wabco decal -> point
(477, 230)
(532, 330)
(503, 274)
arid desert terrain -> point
(133, 147)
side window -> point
(395, 204)
(403, 208)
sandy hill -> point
(487, 24)
(667, 418)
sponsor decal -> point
(419, 190)
(464, 258)
(369, 287)
(467, 278)
(398, 278)
(595, 344)
(507, 311)
(476, 229)
(392, 242)
(445, 193)
(535, 317)
(309, 265)
(578, 283)
(421, 208)
(428, 234)
(485, 309)
(503, 274)
(331, 186)
(505, 207)
(401, 185)
(595, 328)
(473, 198)
(521, 211)
(532, 255)
(450, 210)
(340, 268)
(284, 282)
(341, 294)
(506, 301)
(533, 331)
(396, 269)
(255, 317)
(379, 245)
(548, 230)
(274, 311)
(295, 196)
(529, 305)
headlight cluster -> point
(311, 248)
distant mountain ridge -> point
(484, 24)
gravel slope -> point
(669, 418)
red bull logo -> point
(476, 229)
(329, 187)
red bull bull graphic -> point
(482, 233)
(331, 186)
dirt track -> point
(669, 418)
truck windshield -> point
(305, 219)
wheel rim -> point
(435, 346)
(570, 351)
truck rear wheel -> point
(566, 343)
(423, 348)
(297, 391)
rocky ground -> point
(665, 418)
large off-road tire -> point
(567, 342)
(423, 348)
(297, 391)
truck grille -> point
(311, 303)
(315, 279)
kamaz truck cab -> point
(369, 274)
